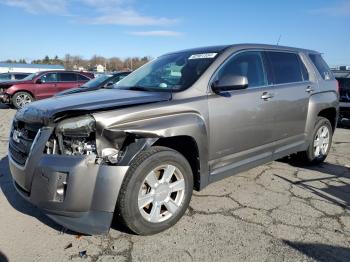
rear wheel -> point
(156, 191)
(20, 99)
(320, 145)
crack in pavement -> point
(274, 203)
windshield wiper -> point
(142, 88)
(135, 88)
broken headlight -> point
(77, 127)
(74, 136)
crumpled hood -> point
(44, 111)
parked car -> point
(103, 81)
(4, 77)
(40, 85)
(178, 123)
(343, 77)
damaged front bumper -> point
(4, 98)
(72, 190)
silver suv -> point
(180, 122)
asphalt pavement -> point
(275, 212)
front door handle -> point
(309, 89)
(267, 96)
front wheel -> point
(20, 99)
(156, 191)
(320, 145)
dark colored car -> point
(343, 77)
(103, 81)
(4, 77)
(40, 85)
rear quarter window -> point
(82, 78)
(321, 66)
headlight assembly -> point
(77, 127)
(74, 136)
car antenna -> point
(278, 41)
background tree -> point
(76, 62)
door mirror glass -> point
(39, 81)
(229, 83)
(109, 84)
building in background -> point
(99, 68)
(78, 68)
(27, 68)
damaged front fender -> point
(138, 135)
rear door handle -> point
(267, 96)
(309, 89)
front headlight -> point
(74, 136)
(77, 127)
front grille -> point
(20, 147)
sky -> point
(32, 29)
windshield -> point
(4, 77)
(96, 81)
(169, 72)
(30, 77)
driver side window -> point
(49, 78)
(249, 64)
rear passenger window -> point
(285, 67)
(321, 66)
(68, 77)
(249, 64)
(82, 78)
(304, 71)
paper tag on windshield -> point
(203, 56)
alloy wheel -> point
(321, 141)
(161, 194)
(22, 100)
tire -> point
(310, 156)
(20, 99)
(144, 220)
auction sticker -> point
(203, 56)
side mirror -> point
(39, 81)
(230, 83)
(109, 84)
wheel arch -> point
(25, 91)
(331, 114)
(323, 104)
(185, 133)
(186, 146)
